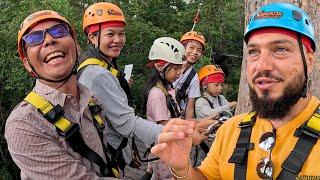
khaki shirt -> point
(37, 148)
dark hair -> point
(151, 82)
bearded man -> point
(280, 56)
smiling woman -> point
(104, 26)
(42, 132)
(52, 56)
(42, 49)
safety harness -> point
(70, 131)
(171, 104)
(116, 154)
(94, 61)
(182, 92)
(308, 134)
(204, 146)
(174, 112)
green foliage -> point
(221, 23)
(4, 173)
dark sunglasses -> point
(37, 37)
(265, 166)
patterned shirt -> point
(37, 148)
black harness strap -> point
(308, 134)
(308, 137)
(181, 93)
(173, 107)
(210, 103)
(95, 111)
(171, 104)
(136, 151)
(116, 154)
(243, 146)
(77, 144)
(69, 131)
(204, 147)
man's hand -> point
(174, 143)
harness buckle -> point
(95, 109)
(240, 153)
(72, 129)
(246, 124)
(99, 128)
(54, 114)
(310, 131)
(311, 127)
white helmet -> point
(167, 49)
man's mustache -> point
(266, 74)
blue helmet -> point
(282, 15)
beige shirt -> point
(36, 147)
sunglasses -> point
(37, 37)
(265, 166)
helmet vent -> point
(171, 46)
(296, 15)
(307, 21)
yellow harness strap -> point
(96, 116)
(314, 121)
(93, 61)
(248, 117)
(158, 85)
(45, 107)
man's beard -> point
(274, 109)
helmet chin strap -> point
(305, 86)
(163, 72)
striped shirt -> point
(37, 148)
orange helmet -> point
(102, 12)
(34, 19)
(209, 70)
(193, 35)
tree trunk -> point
(312, 7)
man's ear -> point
(205, 87)
(310, 60)
(93, 39)
(27, 65)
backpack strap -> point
(181, 93)
(308, 134)
(171, 104)
(243, 146)
(69, 131)
(94, 61)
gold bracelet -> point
(177, 176)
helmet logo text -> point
(113, 12)
(99, 12)
(265, 15)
